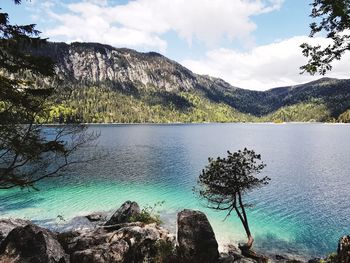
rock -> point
(344, 250)
(142, 241)
(245, 260)
(229, 257)
(74, 224)
(314, 260)
(248, 253)
(123, 214)
(7, 225)
(280, 257)
(196, 238)
(226, 258)
(32, 244)
(96, 217)
(132, 243)
(65, 239)
(126, 69)
(284, 258)
(230, 254)
(103, 253)
(122, 225)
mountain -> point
(121, 85)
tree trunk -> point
(248, 245)
(244, 220)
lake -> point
(304, 210)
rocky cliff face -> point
(87, 64)
(123, 68)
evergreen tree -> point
(224, 181)
(28, 151)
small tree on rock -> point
(224, 181)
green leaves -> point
(27, 153)
(149, 214)
(224, 181)
(224, 178)
(334, 20)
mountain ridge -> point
(150, 74)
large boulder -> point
(196, 238)
(344, 250)
(104, 253)
(143, 241)
(124, 213)
(128, 243)
(7, 225)
(32, 244)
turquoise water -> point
(304, 210)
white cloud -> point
(142, 23)
(264, 67)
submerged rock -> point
(32, 244)
(124, 213)
(344, 250)
(196, 238)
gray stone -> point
(280, 257)
(95, 217)
(226, 258)
(128, 69)
(104, 253)
(230, 254)
(7, 225)
(196, 238)
(251, 254)
(314, 260)
(344, 250)
(32, 244)
(229, 257)
(124, 213)
(132, 243)
(245, 260)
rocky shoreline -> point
(131, 236)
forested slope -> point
(100, 83)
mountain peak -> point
(126, 70)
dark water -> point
(304, 210)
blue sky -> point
(249, 43)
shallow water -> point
(304, 210)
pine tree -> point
(224, 181)
(27, 153)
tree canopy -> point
(333, 18)
(29, 152)
(224, 181)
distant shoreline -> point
(190, 123)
